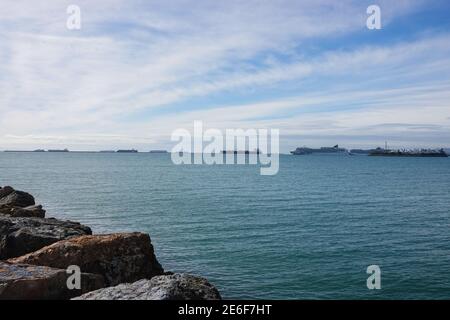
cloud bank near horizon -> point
(138, 70)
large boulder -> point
(31, 211)
(26, 282)
(120, 257)
(166, 287)
(19, 204)
(19, 236)
(14, 198)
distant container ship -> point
(127, 151)
(323, 150)
(361, 151)
(158, 151)
(409, 153)
(57, 150)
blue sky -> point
(137, 70)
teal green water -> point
(307, 233)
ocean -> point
(309, 232)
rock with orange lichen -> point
(119, 257)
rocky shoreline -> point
(37, 254)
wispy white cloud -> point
(82, 88)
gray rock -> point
(19, 236)
(167, 287)
(119, 257)
(31, 211)
(19, 204)
(5, 191)
(25, 282)
(8, 210)
(14, 198)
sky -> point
(138, 70)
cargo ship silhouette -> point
(326, 150)
(379, 152)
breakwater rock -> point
(19, 236)
(21, 281)
(166, 287)
(121, 257)
(37, 252)
(19, 204)
(14, 198)
(35, 211)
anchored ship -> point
(158, 151)
(127, 151)
(326, 150)
(409, 153)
